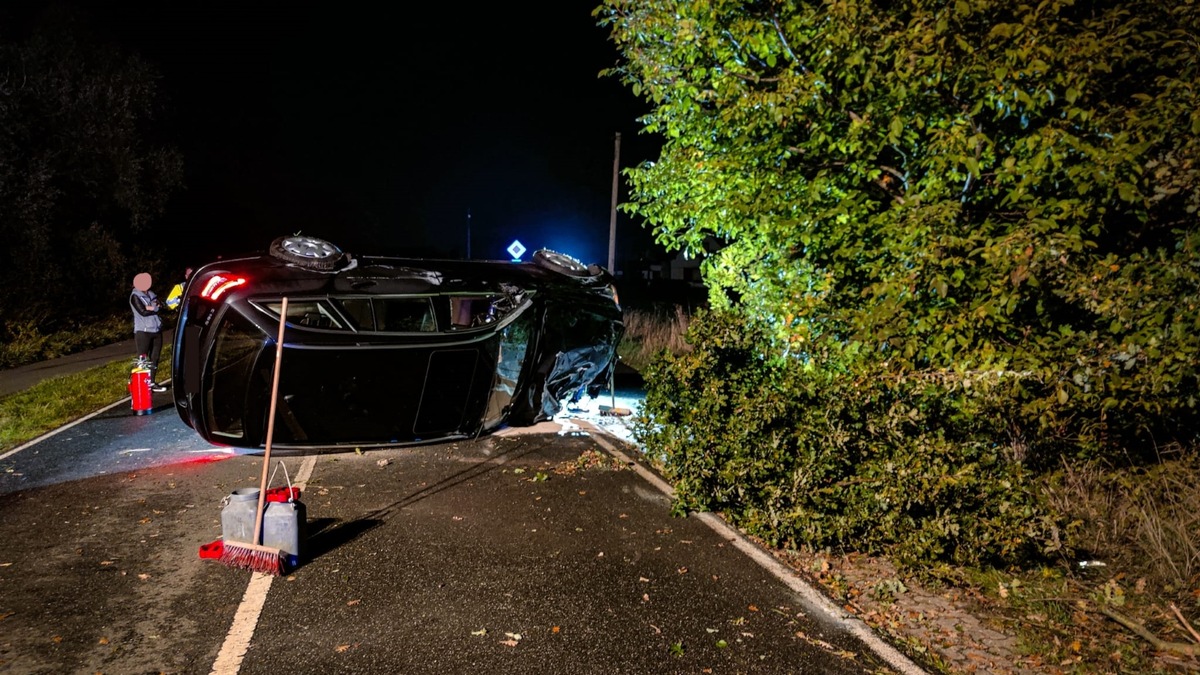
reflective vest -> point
(175, 296)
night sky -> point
(380, 128)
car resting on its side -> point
(384, 350)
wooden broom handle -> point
(262, 490)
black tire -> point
(561, 263)
(308, 252)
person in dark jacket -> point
(147, 325)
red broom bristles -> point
(253, 557)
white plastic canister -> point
(237, 518)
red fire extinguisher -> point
(139, 387)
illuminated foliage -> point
(1000, 198)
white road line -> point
(237, 641)
(61, 429)
(233, 650)
(811, 596)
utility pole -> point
(468, 233)
(612, 218)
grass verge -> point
(649, 332)
(52, 403)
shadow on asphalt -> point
(327, 534)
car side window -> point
(308, 314)
(404, 315)
(467, 311)
(359, 311)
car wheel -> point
(562, 263)
(309, 252)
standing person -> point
(147, 325)
(176, 295)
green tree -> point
(82, 173)
(993, 201)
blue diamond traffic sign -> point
(516, 249)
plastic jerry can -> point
(237, 517)
(283, 528)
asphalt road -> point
(532, 552)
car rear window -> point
(235, 347)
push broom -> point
(254, 556)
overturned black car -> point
(384, 351)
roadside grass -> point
(25, 415)
(649, 332)
(23, 342)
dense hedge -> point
(800, 456)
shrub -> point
(803, 456)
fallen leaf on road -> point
(643, 579)
(56, 639)
(103, 640)
(6, 615)
(341, 648)
(623, 515)
(711, 630)
(509, 643)
(384, 462)
(107, 562)
(554, 629)
(481, 631)
(583, 492)
(515, 636)
(456, 518)
(143, 576)
(752, 608)
(657, 630)
(144, 521)
(351, 603)
(682, 570)
(518, 470)
(645, 597)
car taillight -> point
(218, 284)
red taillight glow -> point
(218, 284)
